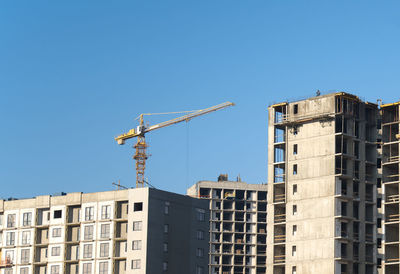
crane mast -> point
(140, 155)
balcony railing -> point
(278, 259)
(393, 218)
(279, 238)
(393, 198)
(279, 218)
(279, 198)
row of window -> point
(55, 269)
(56, 233)
(27, 216)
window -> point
(294, 250)
(165, 247)
(294, 209)
(25, 256)
(88, 233)
(89, 213)
(104, 249)
(295, 149)
(200, 235)
(105, 231)
(135, 264)
(87, 251)
(200, 252)
(10, 238)
(295, 109)
(294, 270)
(166, 228)
(27, 219)
(201, 214)
(57, 214)
(295, 130)
(87, 268)
(137, 206)
(294, 169)
(165, 266)
(199, 270)
(103, 268)
(10, 255)
(105, 212)
(294, 230)
(137, 226)
(294, 189)
(55, 251)
(26, 237)
(23, 270)
(136, 245)
(166, 208)
(55, 269)
(11, 220)
(8, 271)
(57, 232)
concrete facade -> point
(322, 186)
(238, 229)
(126, 231)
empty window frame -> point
(137, 206)
(57, 214)
(295, 109)
(294, 230)
(294, 189)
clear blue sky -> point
(75, 74)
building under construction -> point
(322, 191)
(238, 225)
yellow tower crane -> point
(141, 145)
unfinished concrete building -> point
(390, 179)
(139, 230)
(322, 174)
(238, 225)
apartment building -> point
(238, 225)
(139, 230)
(322, 191)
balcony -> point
(279, 218)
